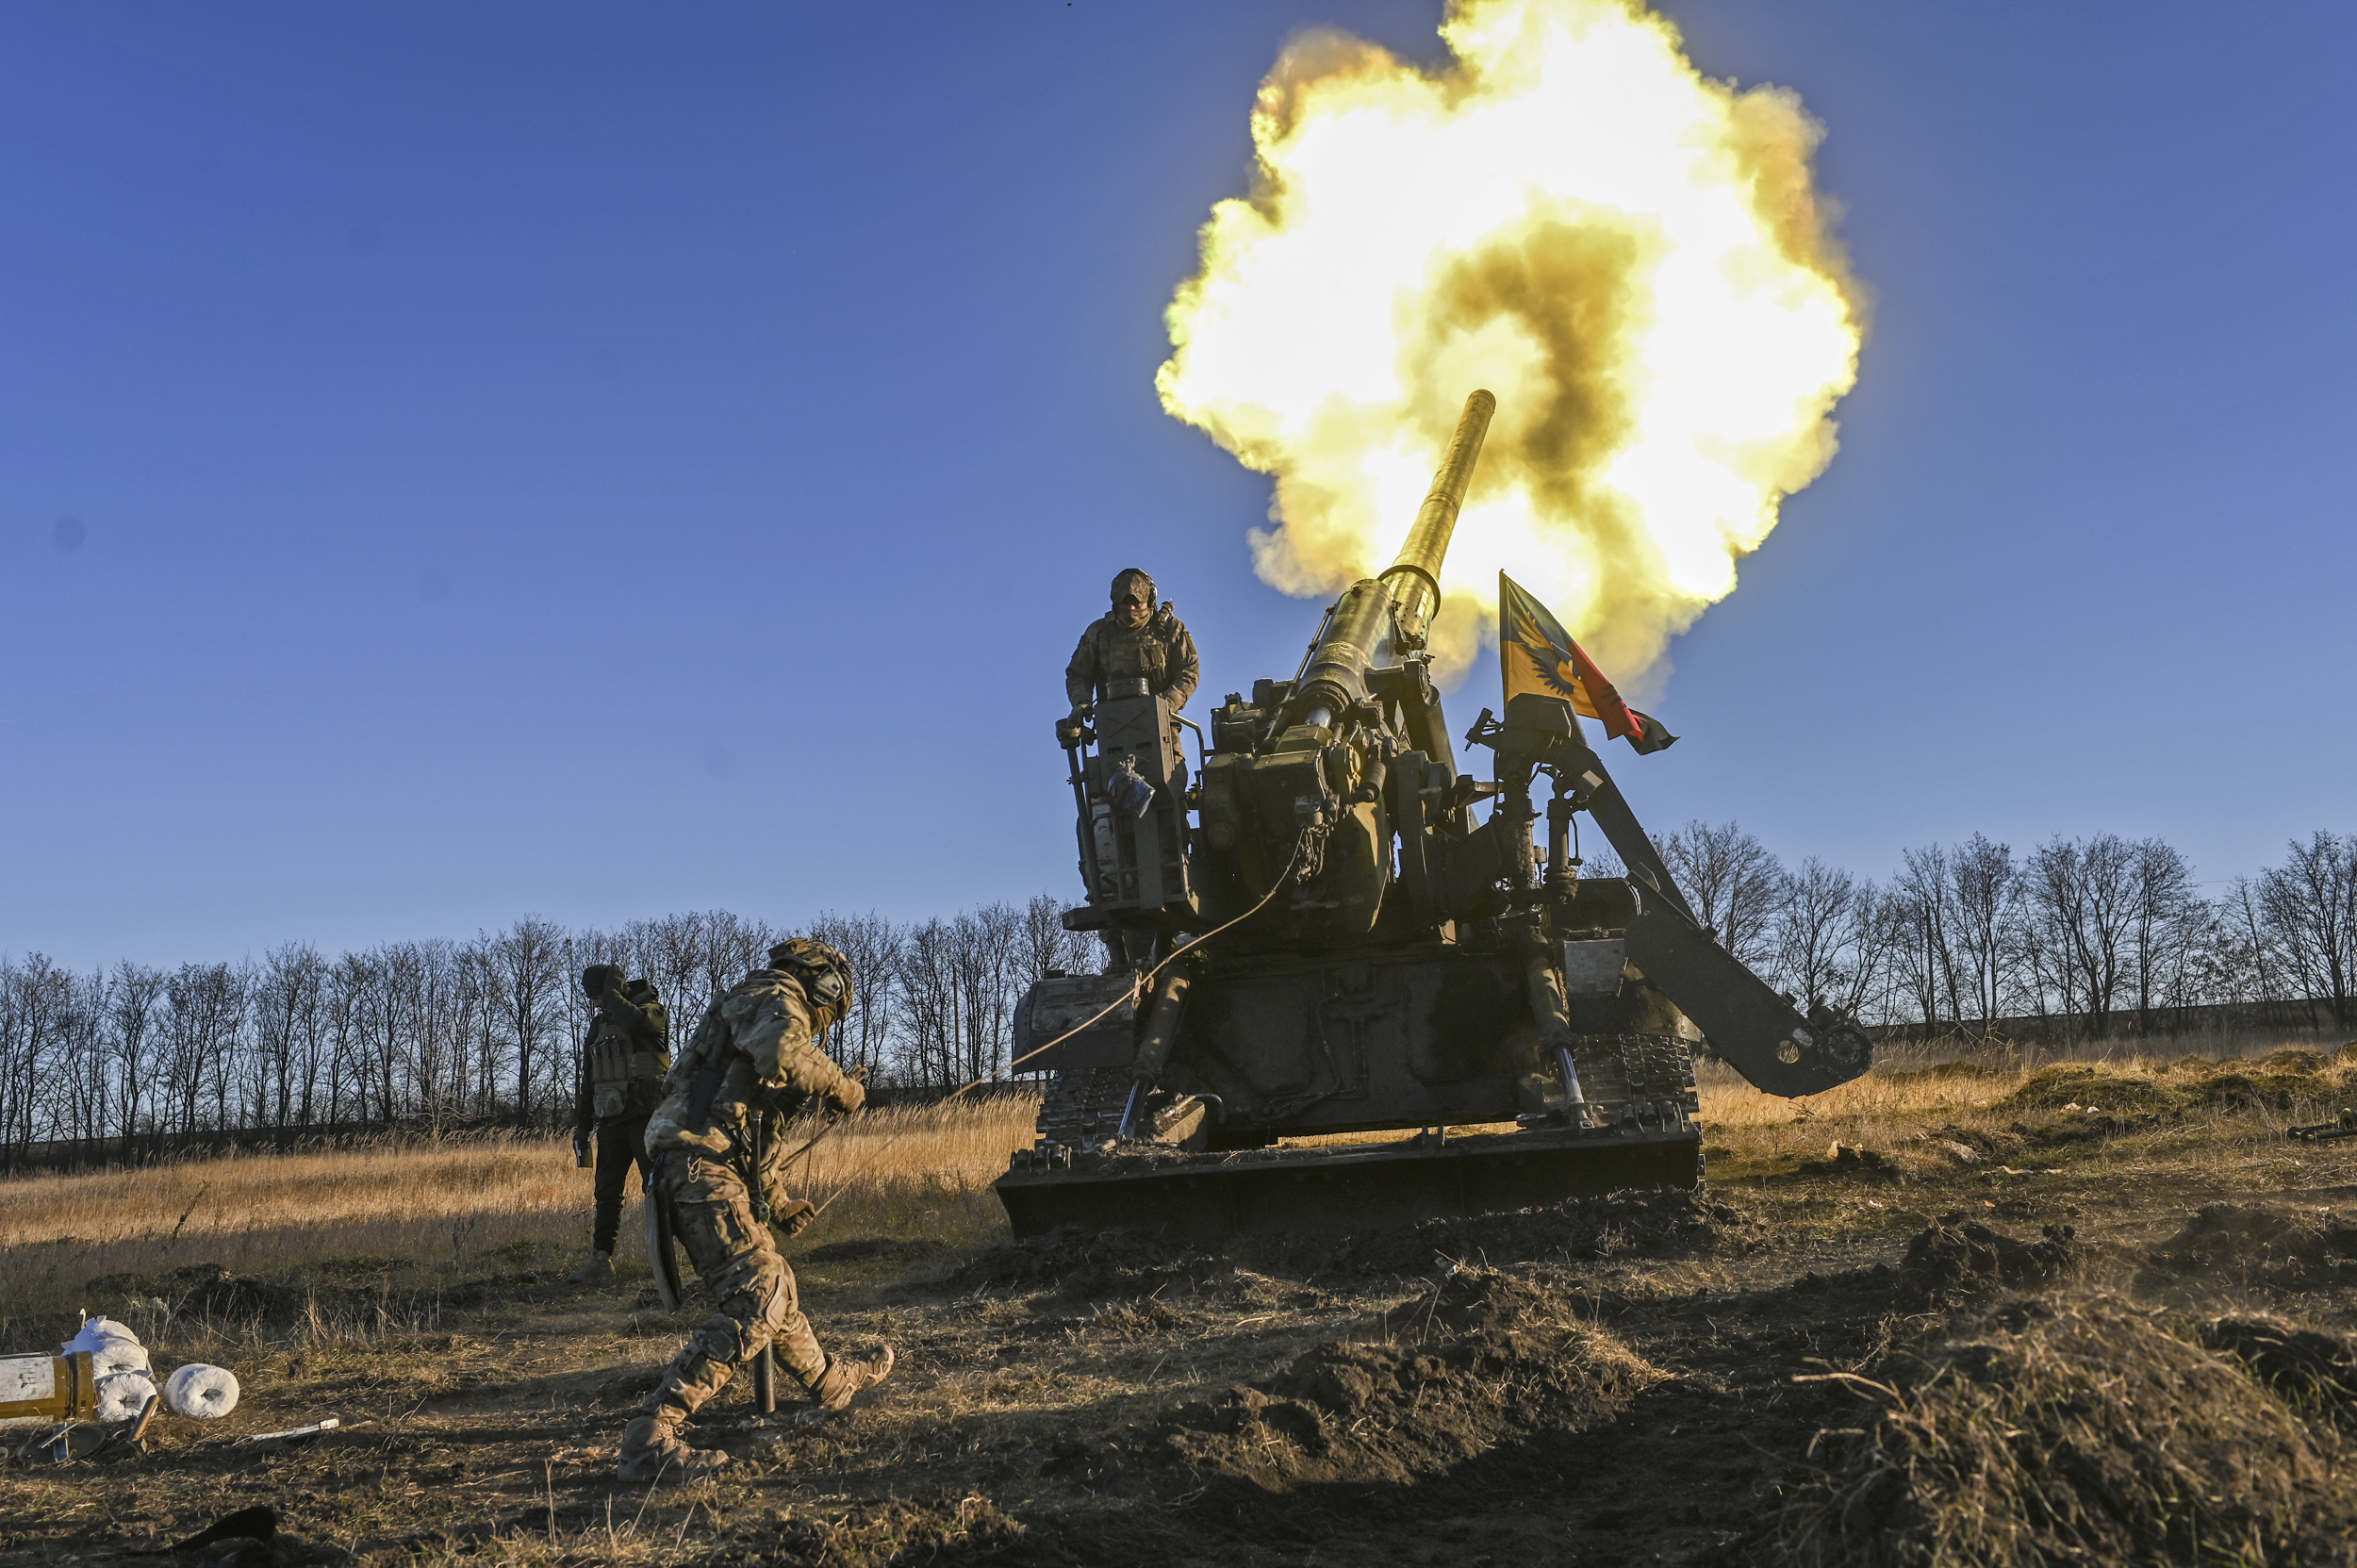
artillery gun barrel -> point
(1408, 592)
(1415, 578)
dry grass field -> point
(1960, 1312)
(426, 1217)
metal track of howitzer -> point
(1083, 1105)
(1646, 1078)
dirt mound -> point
(2058, 1088)
(203, 1290)
(1483, 1358)
(2268, 1091)
(2083, 1433)
(2233, 1246)
(1090, 1263)
(895, 1532)
(1676, 1223)
(1958, 1257)
(2312, 1370)
(1849, 1159)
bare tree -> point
(2082, 897)
(873, 944)
(983, 962)
(1927, 955)
(130, 1020)
(2310, 904)
(35, 1001)
(1045, 947)
(733, 948)
(350, 983)
(925, 994)
(203, 1010)
(2167, 919)
(286, 1027)
(677, 954)
(84, 1077)
(1733, 885)
(1986, 888)
(530, 958)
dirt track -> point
(1645, 1378)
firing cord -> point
(1301, 847)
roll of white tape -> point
(124, 1395)
(203, 1392)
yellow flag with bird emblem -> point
(1537, 655)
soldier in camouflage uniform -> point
(753, 1064)
(622, 1064)
(1136, 637)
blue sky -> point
(595, 460)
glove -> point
(581, 1150)
(851, 1094)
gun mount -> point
(1333, 945)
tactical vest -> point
(1129, 653)
(624, 1080)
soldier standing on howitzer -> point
(622, 1064)
(1136, 640)
(753, 1065)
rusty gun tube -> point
(1415, 578)
(1162, 1033)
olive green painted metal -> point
(1318, 938)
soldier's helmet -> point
(1132, 580)
(598, 976)
(825, 973)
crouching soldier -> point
(753, 1064)
(622, 1064)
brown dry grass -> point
(913, 1172)
(907, 1174)
(496, 1393)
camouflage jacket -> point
(1160, 650)
(757, 1049)
(623, 1057)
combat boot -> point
(596, 1271)
(847, 1374)
(652, 1450)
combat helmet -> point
(825, 973)
(1131, 580)
(597, 978)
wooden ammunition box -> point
(47, 1389)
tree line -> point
(2091, 937)
(2086, 937)
(437, 1031)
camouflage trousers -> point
(711, 1214)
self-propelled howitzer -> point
(1314, 937)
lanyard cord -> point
(1301, 847)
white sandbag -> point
(124, 1395)
(98, 1332)
(201, 1391)
(113, 1347)
(119, 1356)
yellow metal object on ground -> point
(38, 1389)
